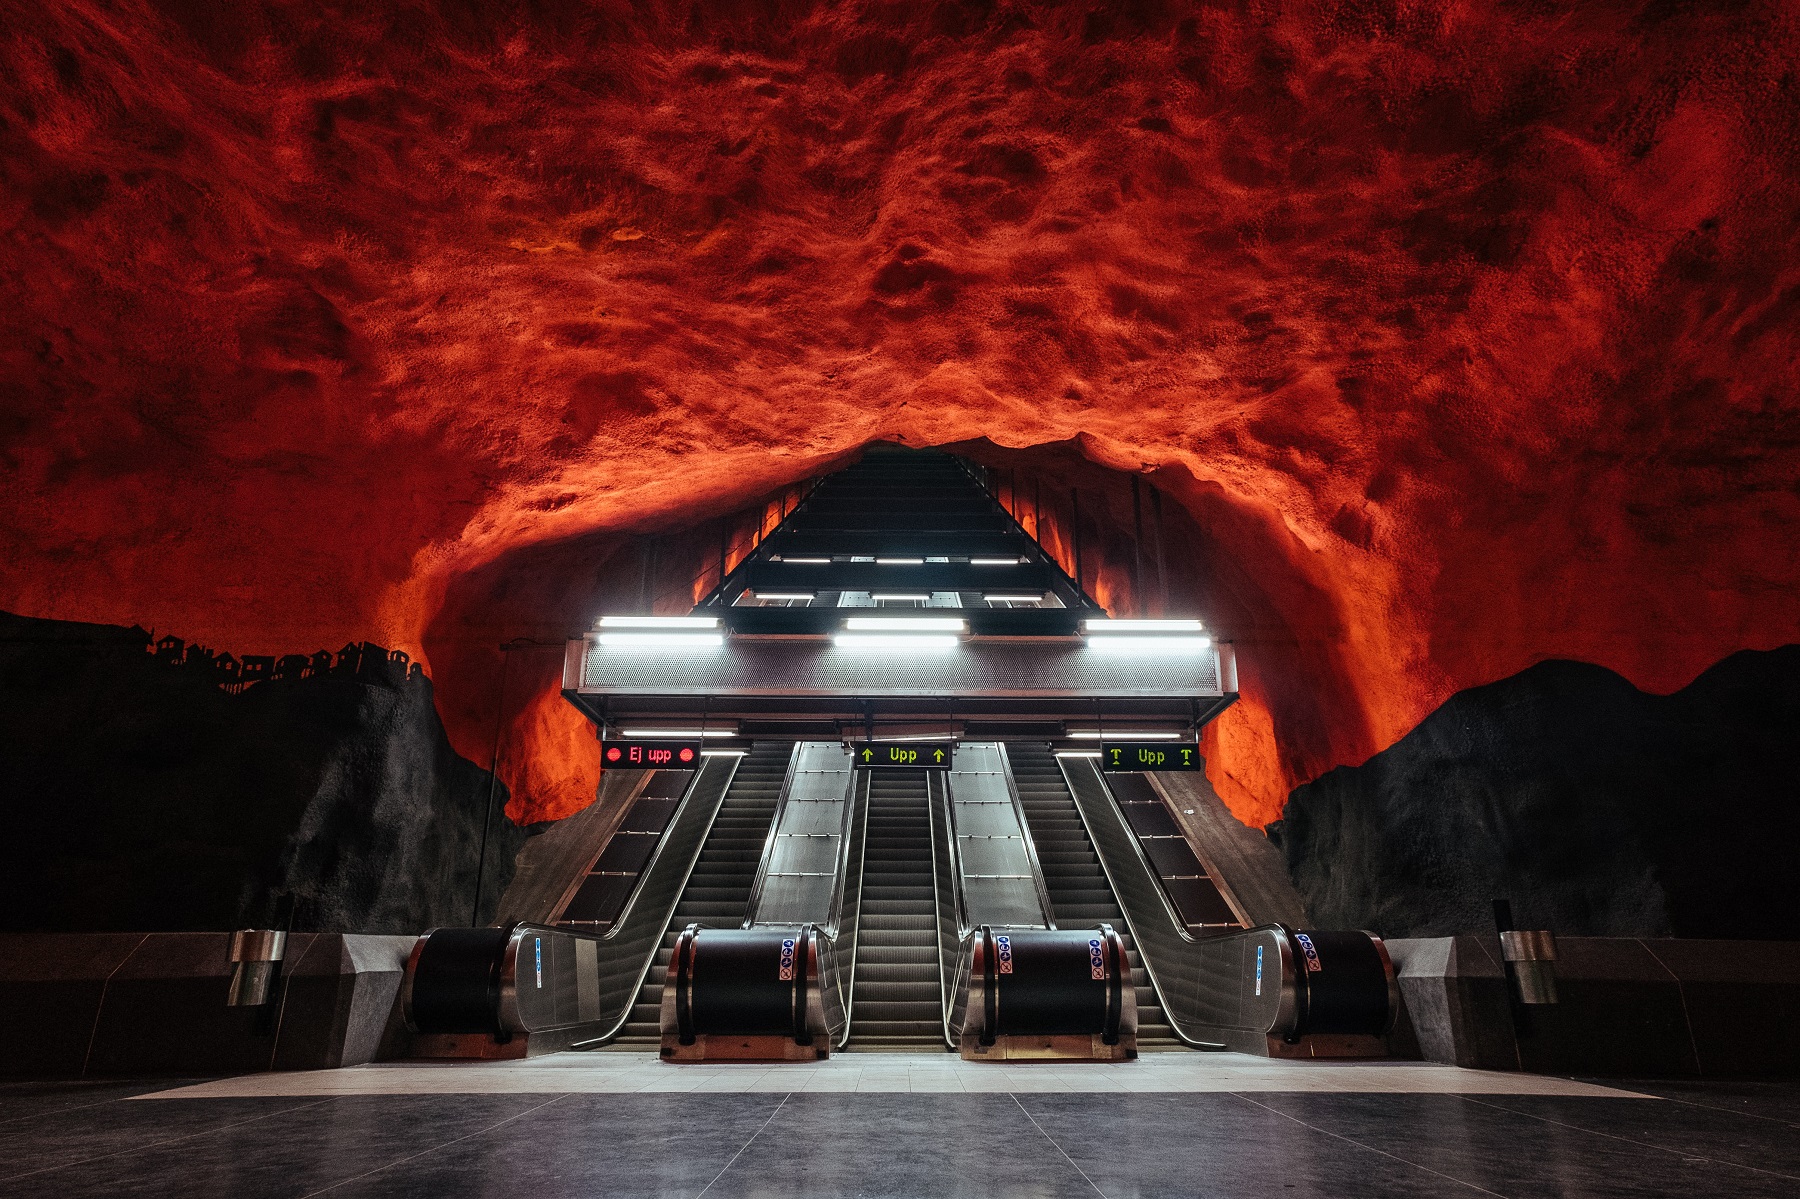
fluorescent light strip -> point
(899, 561)
(993, 561)
(1150, 645)
(923, 599)
(659, 622)
(906, 624)
(809, 561)
(1014, 599)
(676, 734)
(1077, 753)
(910, 738)
(1091, 735)
(898, 642)
(783, 595)
(646, 640)
(724, 753)
(1142, 626)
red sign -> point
(651, 755)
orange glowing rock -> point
(1458, 338)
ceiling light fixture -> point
(665, 640)
(676, 734)
(659, 622)
(1150, 645)
(894, 642)
(1139, 735)
(905, 624)
(1128, 627)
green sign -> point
(1133, 756)
(910, 755)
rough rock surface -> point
(1597, 809)
(1467, 332)
(137, 795)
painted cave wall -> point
(1455, 341)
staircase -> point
(718, 890)
(1079, 893)
(897, 1003)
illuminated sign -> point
(919, 755)
(1132, 757)
(651, 755)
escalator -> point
(897, 1000)
(1016, 870)
(718, 890)
(1080, 895)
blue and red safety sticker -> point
(787, 959)
(1096, 958)
(1311, 954)
(1003, 951)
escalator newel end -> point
(1052, 994)
(744, 994)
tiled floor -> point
(1190, 1125)
(1153, 1073)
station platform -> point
(898, 1124)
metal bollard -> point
(1532, 955)
(255, 959)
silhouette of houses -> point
(364, 660)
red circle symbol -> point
(687, 755)
(612, 753)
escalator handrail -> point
(1037, 869)
(1110, 867)
(834, 912)
(662, 845)
(830, 930)
(847, 989)
(769, 840)
(730, 766)
(937, 806)
(1176, 922)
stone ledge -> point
(1629, 1006)
(79, 1004)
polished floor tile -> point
(900, 1146)
(239, 1147)
(1561, 1150)
(930, 1126)
(625, 1073)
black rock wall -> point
(136, 794)
(1597, 809)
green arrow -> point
(938, 754)
(867, 754)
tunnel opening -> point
(1142, 543)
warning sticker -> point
(1096, 958)
(1003, 951)
(787, 960)
(1311, 954)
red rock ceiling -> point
(1463, 334)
